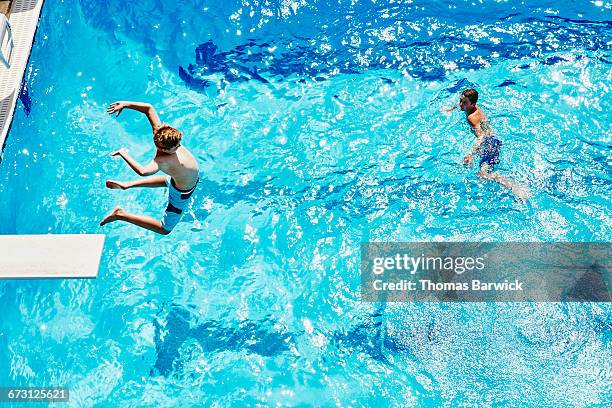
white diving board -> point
(50, 256)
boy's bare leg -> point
(150, 223)
(518, 190)
(157, 181)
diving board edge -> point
(50, 256)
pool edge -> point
(24, 19)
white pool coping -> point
(50, 256)
(23, 20)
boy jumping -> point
(487, 144)
(171, 158)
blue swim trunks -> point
(178, 200)
(489, 151)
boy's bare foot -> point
(116, 185)
(521, 192)
(113, 216)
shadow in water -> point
(369, 336)
(258, 337)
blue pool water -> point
(317, 126)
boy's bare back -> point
(181, 166)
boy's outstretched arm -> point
(146, 170)
(452, 108)
(146, 108)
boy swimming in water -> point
(487, 144)
(171, 158)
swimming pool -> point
(315, 131)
